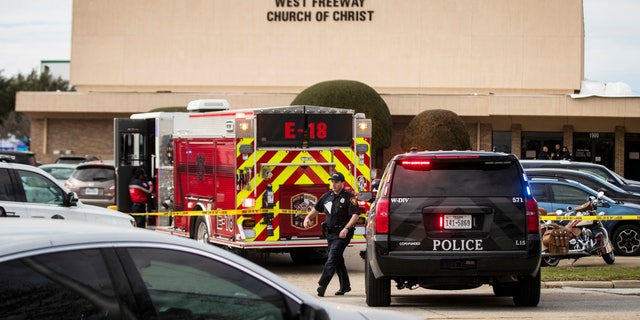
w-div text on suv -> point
(451, 220)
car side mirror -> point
(365, 196)
(309, 312)
(71, 199)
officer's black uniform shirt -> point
(343, 206)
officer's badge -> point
(354, 201)
(341, 200)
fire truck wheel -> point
(308, 255)
(201, 230)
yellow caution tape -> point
(222, 212)
(564, 218)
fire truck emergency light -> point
(362, 126)
(244, 126)
(248, 202)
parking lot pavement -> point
(306, 276)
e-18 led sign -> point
(304, 130)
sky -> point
(35, 30)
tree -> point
(436, 129)
(15, 122)
(348, 94)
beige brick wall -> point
(80, 136)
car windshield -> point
(94, 174)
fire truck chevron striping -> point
(244, 178)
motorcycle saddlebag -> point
(557, 240)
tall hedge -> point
(436, 129)
(348, 94)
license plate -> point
(91, 191)
(457, 221)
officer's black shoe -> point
(341, 292)
(321, 290)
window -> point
(502, 141)
(569, 195)
(456, 179)
(540, 192)
(39, 189)
(89, 174)
(6, 188)
(183, 285)
(64, 285)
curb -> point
(613, 284)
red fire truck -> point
(244, 179)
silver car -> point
(73, 270)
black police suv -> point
(450, 220)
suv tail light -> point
(533, 218)
(382, 216)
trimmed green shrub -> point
(348, 94)
(436, 129)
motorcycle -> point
(578, 238)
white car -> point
(72, 270)
(29, 192)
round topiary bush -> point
(436, 129)
(348, 94)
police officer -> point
(341, 210)
(139, 190)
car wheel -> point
(527, 291)
(549, 261)
(626, 240)
(378, 291)
(201, 231)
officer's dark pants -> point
(138, 207)
(335, 261)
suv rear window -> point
(452, 178)
(93, 174)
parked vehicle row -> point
(29, 192)
(565, 190)
(592, 168)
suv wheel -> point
(378, 291)
(527, 291)
(625, 240)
